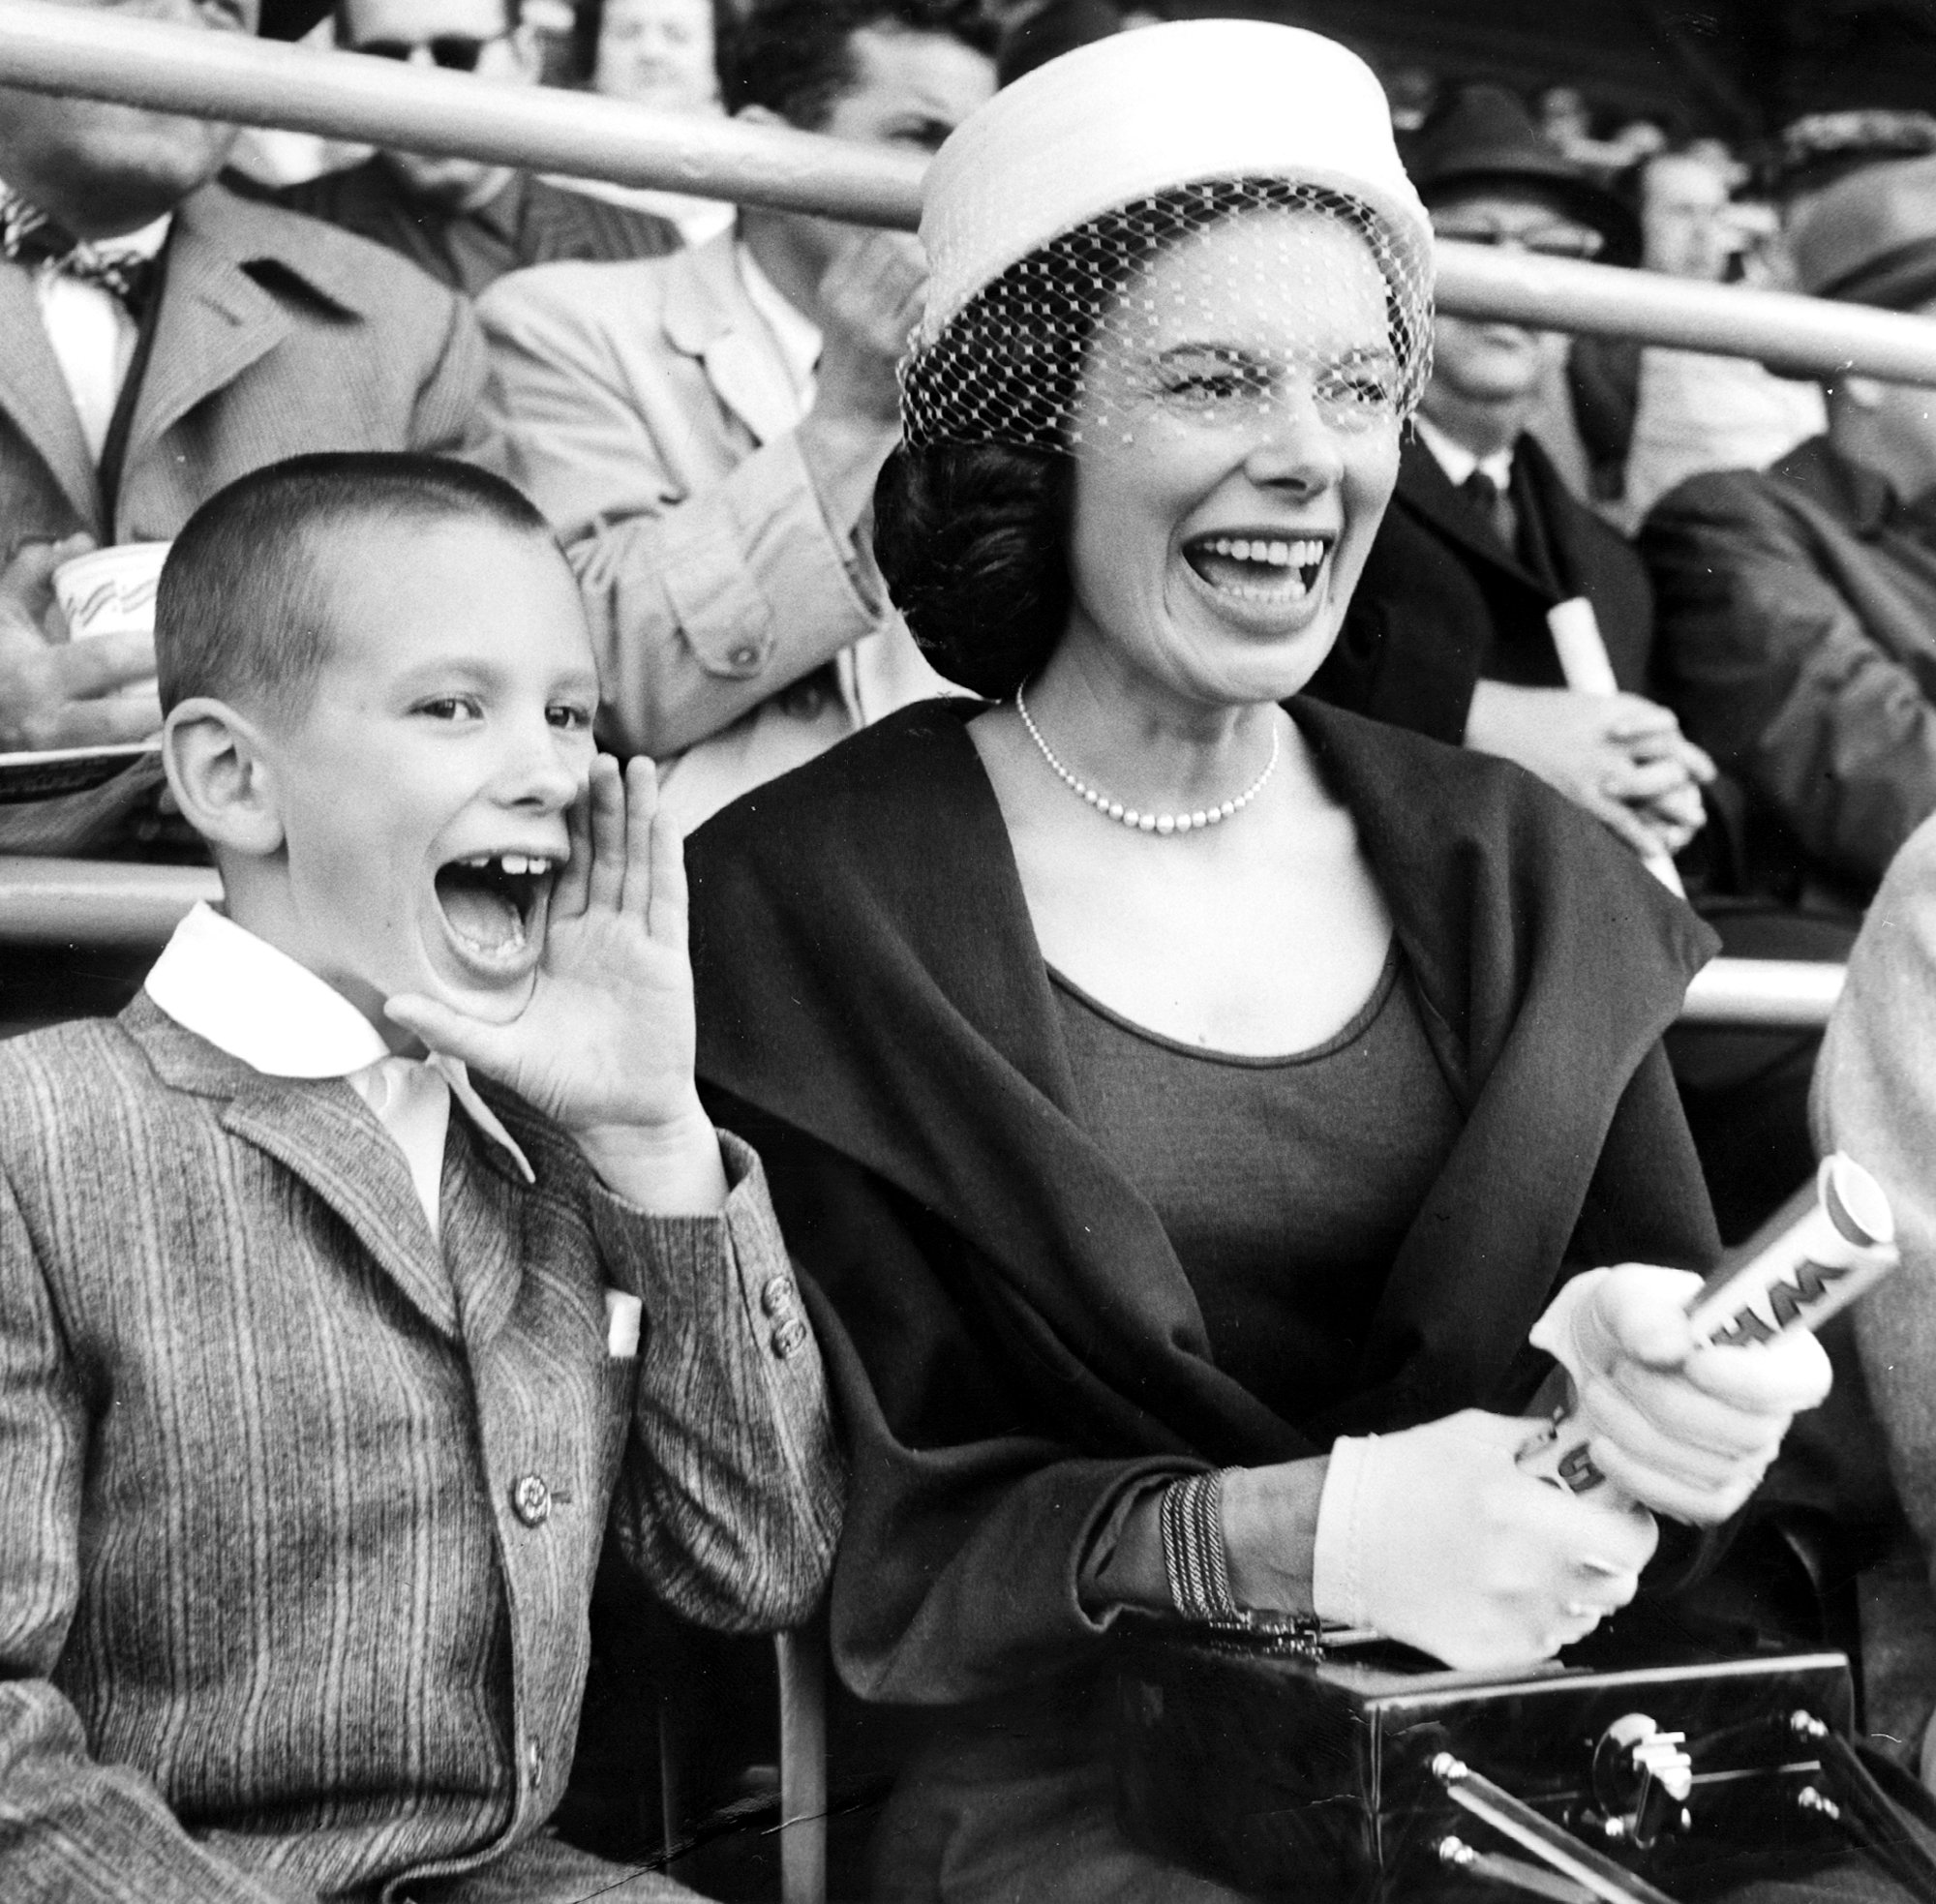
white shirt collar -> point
(1458, 461)
(223, 983)
(147, 242)
(798, 336)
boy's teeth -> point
(524, 864)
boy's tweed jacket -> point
(300, 1514)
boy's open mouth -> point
(494, 903)
(1260, 567)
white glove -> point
(1434, 1536)
(1687, 1432)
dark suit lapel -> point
(35, 395)
(1427, 490)
(215, 322)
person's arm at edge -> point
(1875, 1097)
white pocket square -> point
(621, 1323)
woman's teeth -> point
(1260, 568)
(1279, 554)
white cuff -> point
(1336, 1591)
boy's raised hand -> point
(605, 1046)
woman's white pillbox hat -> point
(1141, 113)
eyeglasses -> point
(456, 52)
(1573, 241)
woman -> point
(661, 54)
(1186, 1106)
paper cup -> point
(112, 592)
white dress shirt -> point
(799, 338)
(221, 982)
(1458, 461)
(92, 335)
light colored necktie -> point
(411, 1100)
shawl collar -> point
(708, 316)
(321, 1130)
(867, 975)
(34, 393)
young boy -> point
(323, 1369)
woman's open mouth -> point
(495, 904)
(1259, 568)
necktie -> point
(411, 1101)
(1494, 504)
(29, 237)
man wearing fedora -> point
(1796, 606)
(1450, 630)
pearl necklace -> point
(1147, 822)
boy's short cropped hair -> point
(242, 613)
(794, 57)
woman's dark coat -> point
(1010, 1330)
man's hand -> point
(1620, 756)
(869, 301)
(605, 1046)
(57, 693)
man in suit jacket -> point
(159, 336)
(1450, 628)
(463, 220)
(705, 430)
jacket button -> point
(535, 1761)
(530, 1501)
(745, 656)
(777, 1294)
(788, 1338)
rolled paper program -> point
(1587, 668)
(1836, 1254)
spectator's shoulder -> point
(1717, 493)
(1911, 874)
(363, 278)
(53, 1080)
(622, 296)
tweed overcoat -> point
(299, 1510)
(276, 336)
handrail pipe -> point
(52, 48)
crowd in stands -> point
(700, 402)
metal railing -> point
(109, 904)
(222, 75)
(101, 55)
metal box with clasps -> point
(1370, 1774)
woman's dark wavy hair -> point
(973, 537)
